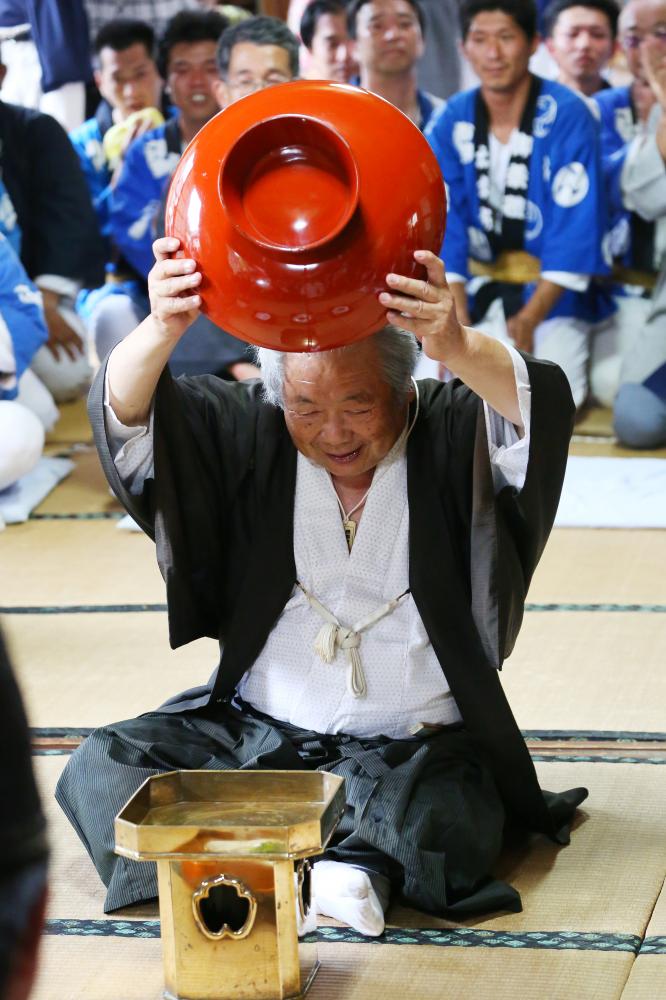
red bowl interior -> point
(290, 183)
(296, 202)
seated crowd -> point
(557, 190)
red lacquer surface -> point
(296, 202)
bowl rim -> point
(350, 165)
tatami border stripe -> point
(79, 609)
(556, 758)
(622, 608)
(654, 945)
(614, 735)
(458, 937)
(538, 758)
(72, 609)
(100, 515)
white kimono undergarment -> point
(405, 682)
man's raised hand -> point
(426, 308)
(174, 303)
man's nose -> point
(334, 432)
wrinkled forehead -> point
(335, 374)
(251, 57)
(641, 15)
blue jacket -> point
(137, 195)
(630, 238)
(20, 311)
(88, 141)
(565, 219)
(59, 29)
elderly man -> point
(361, 546)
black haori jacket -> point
(220, 510)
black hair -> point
(123, 32)
(189, 26)
(556, 7)
(311, 16)
(260, 30)
(523, 12)
(355, 5)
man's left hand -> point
(61, 335)
(521, 330)
(426, 308)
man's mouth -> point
(199, 98)
(344, 458)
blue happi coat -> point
(564, 210)
(137, 195)
(88, 141)
(9, 225)
(21, 316)
(618, 128)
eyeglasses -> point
(631, 41)
(249, 84)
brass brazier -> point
(231, 849)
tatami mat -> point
(599, 566)
(87, 669)
(116, 969)
(73, 425)
(78, 562)
(84, 491)
(578, 665)
(90, 561)
(606, 881)
(570, 670)
(589, 670)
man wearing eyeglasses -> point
(254, 54)
(635, 240)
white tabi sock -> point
(346, 893)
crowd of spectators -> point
(557, 186)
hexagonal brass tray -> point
(270, 814)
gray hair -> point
(397, 351)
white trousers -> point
(65, 378)
(563, 339)
(21, 441)
(23, 85)
(613, 342)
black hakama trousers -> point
(423, 811)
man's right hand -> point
(173, 302)
(135, 364)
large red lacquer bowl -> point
(296, 202)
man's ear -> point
(221, 93)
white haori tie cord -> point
(333, 636)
